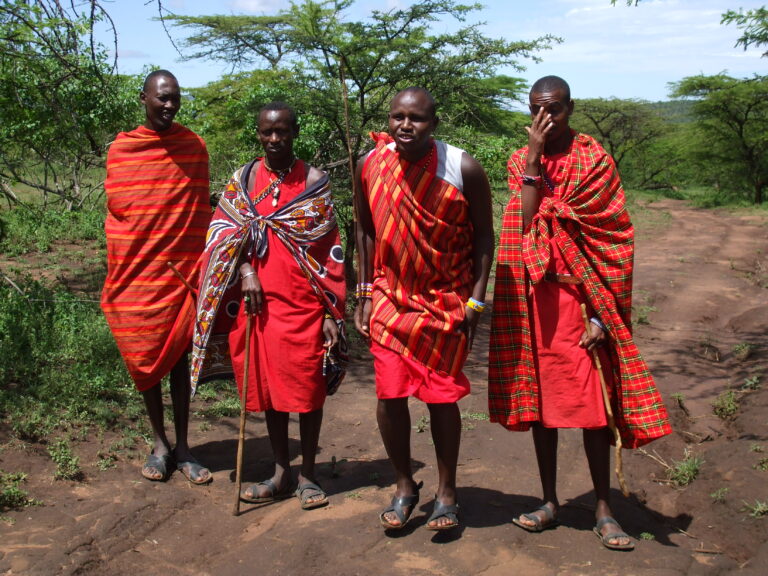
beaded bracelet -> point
(364, 290)
(529, 180)
(328, 316)
(476, 305)
(597, 322)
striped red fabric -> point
(158, 212)
(591, 226)
(423, 262)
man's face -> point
(411, 123)
(162, 100)
(557, 106)
(276, 134)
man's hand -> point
(595, 337)
(537, 136)
(469, 325)
(330, 333)
(253, 295)
(363, 317)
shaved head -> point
(424, 92)
(551, 84)
(157, 74)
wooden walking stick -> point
(243, 399)
(608, 409)
(181, 277)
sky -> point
(607, 51)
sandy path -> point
(699, 270)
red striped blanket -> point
(423, 260)
(158, 213)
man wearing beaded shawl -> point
(425, 244)
(274, 245)
(567, 241)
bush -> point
(28, 229)
(60, 363)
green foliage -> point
(758, 509)
(28, 229)
(341, 75)
(718, 496)
(221, 400)
(731, 131)
(12, 496)
(726, 405)
(684, 471)
(491, 150)
(751, 383)
(60, 101)
(67, 464)
(60, 364)
(624, 127)
(762, 464)
(753, 23)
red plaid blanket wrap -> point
(591, 226)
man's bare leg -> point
(180, 398)
(153, 400)
(394, 420)
(445, 421)
(545, 443)
(277, 428)
(309, 428)
(597, 447)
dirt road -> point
(700, 290)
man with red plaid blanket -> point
(567, 241)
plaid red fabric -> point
(591, 226)
(423, 260)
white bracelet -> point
(244, 276)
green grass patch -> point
(683, 472)
(718, 496)
(67, 464)
(758, 509)
(61, 371)
(12, 496)
(25, 229)
(220, 399)
(726, 405)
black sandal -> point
(397, 506)
(449, 511)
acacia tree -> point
(351, 69)
(60, 100)
(732, 117)
(754, 24)
(624, 127)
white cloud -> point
(258, 6)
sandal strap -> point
(606, 520)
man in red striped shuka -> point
(567, 240)
(158, 214)
(425, 245)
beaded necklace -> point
(274, 186)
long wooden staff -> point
(181, 277)
(243, 400)
(608, 409)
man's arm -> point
(365, 240)
(477, 191)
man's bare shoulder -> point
(314, 175)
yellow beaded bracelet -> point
(476, 305)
